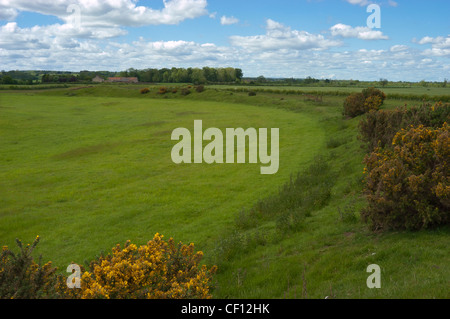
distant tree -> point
(210, 74)
(221, 75)
(423, 83)
(198, 77)
(45, 78)
(384, 82)
(8, 80)
(261, 79)
(239, 74)
(166, 76)
(310, 80)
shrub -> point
(371, 92)
(144, 91)
(252, 93)
(162, 90)
(199, 88)
(408, 185)
(379, 128)
(353, 105)
(158, 270)
(185, 91)
(369, 99)
(372, 103)
(22, 278)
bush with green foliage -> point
(185, 91)
(370, 99)
(354, 104)
(22, 278)
(379, 128)
(162, 90)
(408, 185)
(370, 92)
(144, 91)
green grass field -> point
(89, 168)
(431, 91)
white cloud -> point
(426, 40)
(363, 33)
(279, 37)
(278, 52)
(7, 13)
(359, 2)
(392, 3)
(113, 12)
(228, 20)
(440, 46)
(398, 48)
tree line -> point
(186, 75)
(165, 75)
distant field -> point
(432, 91)
(413, 90)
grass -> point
(86, 173)
(432, 91)
(88, 168)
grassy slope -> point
(329, 254)
(326, 256)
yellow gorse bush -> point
(408, 185)
(373, 103)
(369, 99)
(158, 270)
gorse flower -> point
(408, 185)
(158, 270)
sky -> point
(398, 40)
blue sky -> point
(284, 38)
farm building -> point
(98, 79)
(123, 80)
